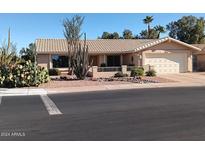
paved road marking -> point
(0, 99)
(50, 105)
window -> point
(59, 61)
(113, 60)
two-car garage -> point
(169, 56)
(167, 63)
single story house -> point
(166, 55)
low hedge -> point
(139, 71)
(151, 73)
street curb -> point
(40, 91)
(120, 87)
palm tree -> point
(143, 34)
(148, 21)
(160, 29)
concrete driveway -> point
(187, 78)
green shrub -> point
(141, 68)
(23, 75)
(54, 71)
(120, 74)
(137, 72)
(151, 73)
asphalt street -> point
(121, 115)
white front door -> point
(165, 63)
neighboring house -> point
(199, 58)
(166, 55)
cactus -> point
(8, 56)
(13, 73)
(72, 33)
(23, 75)
(80, 60)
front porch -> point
(106, 72)
(116, 60)
(60, 61)
(104, 65)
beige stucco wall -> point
(102, 59)
(104, 74)
(171, 47)
(127, 59)
(97, 74)
(44, 60)
(190, 61)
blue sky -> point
(25, 28)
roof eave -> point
(185, 44)
(148, 45)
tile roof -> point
(95, 46)
(101, 46)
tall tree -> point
(105, 35)
(189, 29)
(127, 34)
(159, 29)
(72, 33)
(199, 31)
(172, 27)
(143, 34)
(115, 35)
(28, 53)
(147, 21)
